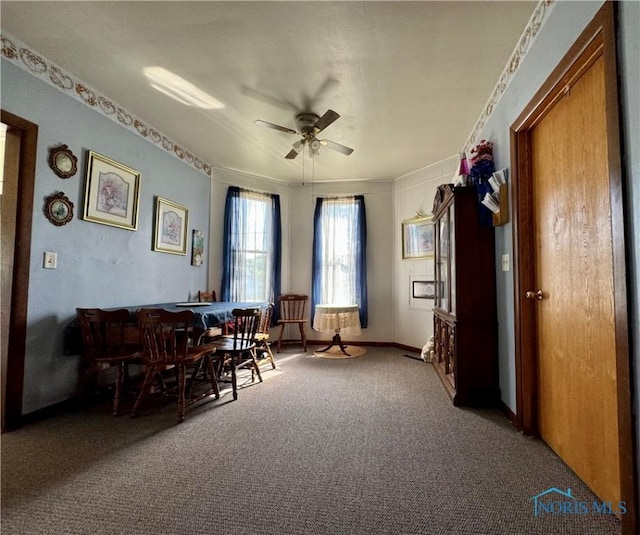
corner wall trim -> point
(28, 60)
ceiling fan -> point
(309, 125)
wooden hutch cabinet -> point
(465, 317)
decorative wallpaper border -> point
(29, 60)
(32, 62)
(536, 22)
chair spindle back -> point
(292, 307)
(245, 322)
(102, 331)
(163, 333)
(264, 320)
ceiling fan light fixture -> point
(179, 89)
(309, 124)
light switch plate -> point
(50, 260)
(505, 262)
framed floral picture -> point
(111, 193)
(170, 229)
(197, 247)
(417, 238)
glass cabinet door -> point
(452, 257)
(436, 267)
(443, 259)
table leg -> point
(337, 341)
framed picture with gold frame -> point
(417, 238)
(111, 193)
(170, 229)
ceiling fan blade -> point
(297, 147)
(326, 120)
(336, 146)
(275, 126)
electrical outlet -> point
(50, 260)
(505, 262)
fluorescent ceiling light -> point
(179, 89)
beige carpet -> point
(335, 352)
(362, 446)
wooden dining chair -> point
(292, 312)
(164, 345)
(207, 297)
(262, 333)
(237, 351)
(261, 337)
(211, 333)
(105, 345)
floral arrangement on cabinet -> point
(482, 169)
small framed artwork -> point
(111, 193)
(170, 230)
(423, 289)
(58, 208)
(417, 238)
(197, 247)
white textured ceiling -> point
(409, 79)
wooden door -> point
(572, 346)
(17, 207)
(577, 380)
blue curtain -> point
(236, 218)
(339, 263)
(231, 216)
(317, 260)
(276, 275)
(361, 261)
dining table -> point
(206, 315)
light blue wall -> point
(98, 265)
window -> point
(339, 253)
(252, 246)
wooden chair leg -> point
(212, 376)
(257, 368)
(146, 385)
(303, 336)
(234, 380)
(120, 372)
(182, 386)
(267, 349)
(280, 337)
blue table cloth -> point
(205, 315)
